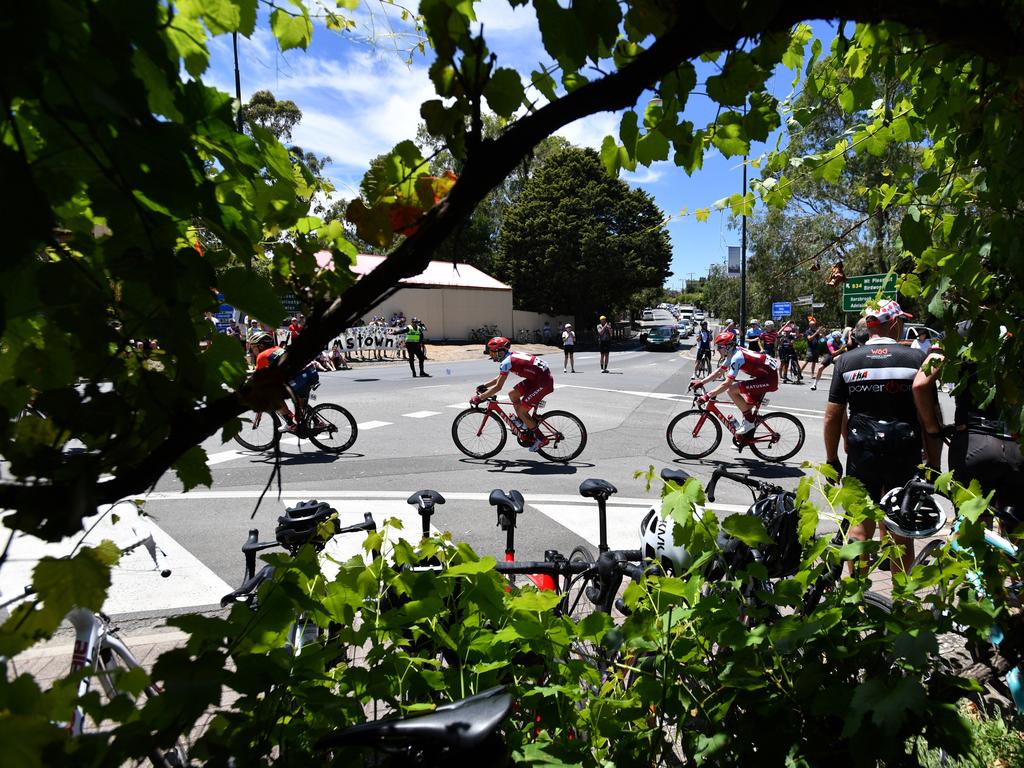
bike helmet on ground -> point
(498, 345)
(657, 543)
(923, 517)
(300, 524)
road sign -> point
(804, 301)
(860, 289)
(781, 309)
(818, 305)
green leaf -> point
(747, 528)
(465, 569)
(610, 156)
(651, 147)
(192, 469)
(916, 234)
(629, 132)
(291, 31)
(253, 294)
(544, 83)
(504, 92)
(80, 581)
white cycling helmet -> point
(922, 519)
(657, 543)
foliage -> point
(576, 240)
(695, 669)
(722, 294)
(278, 117)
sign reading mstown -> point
(373, 337)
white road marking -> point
(219, 458)
(460, 406)
(135, 583)
(368, 425)
(433, 386)
(421, 414)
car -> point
(685, 329)
(698, 315)
(910, 331)
(662, 337)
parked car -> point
(910, 332)
(662, 337)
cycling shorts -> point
(812, 355)
(533, 391)
(881, 454)
(754, 390)
(995, 462)
(826, 360)
(304, 382)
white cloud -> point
(590, 131)
(642, 176)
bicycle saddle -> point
(677, 476)
(462, 725)
(595, 488)
(512, 500)
(425, 499)
(248, 589)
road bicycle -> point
(697, 433)
(105, 657)
(997, 666)
(702, 367)
(525, 336)
(481, 432)
(328, 426)
(483, 333)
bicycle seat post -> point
(507, 522)
(424, 501)
(600, 490)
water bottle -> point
(519, 423)
(733, 422)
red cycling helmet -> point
(725, 339)
(498, 343)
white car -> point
(698, 316)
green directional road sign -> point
(860, 289)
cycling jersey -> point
(754, 363)
(523, 364)
(704, 341)
(876, 380)
(268, 357)
(302, 383)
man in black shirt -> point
(883, 446)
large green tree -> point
(579, 241)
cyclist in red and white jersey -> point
(536, 384)
(745, 394)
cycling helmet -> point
(725, 340)
(923, 518)
(755, 322)
(498, 347)
(769, 323)
(603, 318)
(657, 543)
(781, 558)
(261, 338)
(299, 524)
(837, 334)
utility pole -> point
(743, 250)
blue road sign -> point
(781, 309)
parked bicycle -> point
(482, 431)
(483, 333)
(912, 512)
(697, 433)
(328, 426)
(105, 657)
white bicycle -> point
(100, 650)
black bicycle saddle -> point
(595, 488)
(425, 498)
(462, 725)
(512, 500)
(677, 476)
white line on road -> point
(421, 414)
(218, 458)
(433, 386)
(368, 425)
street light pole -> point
(743, 249)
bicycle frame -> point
(712, 410)
(495, 406)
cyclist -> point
(704, 344)
(269, 354)
(787, 354)
(744, 394)
(537, 383)
(835, 344)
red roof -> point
(444, 274)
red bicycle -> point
(696, 433)
(481, 432)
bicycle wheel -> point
(567, 437)
(703, 367)
(260, 431)
(575, 602)
(777, 437)
(694, 434)
(331, 428)
(479, 433)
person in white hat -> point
(568, 347)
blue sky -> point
(359, 98)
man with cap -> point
(604, 341)
(754, 336)
(414, 341)
(812, 336)
(884, 441)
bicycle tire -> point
(575, 602)
(466, 433)
(566, 434)
(254, 434)
(683, 441)
(342, 428)
(787, 447)
(703, 367)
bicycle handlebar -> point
(765, 489)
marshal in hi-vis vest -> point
(413, 335)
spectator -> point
(753, 336)
(415, 339)
(787, 354)
(294, 329)
(546, 332)
(338, 356)
(604, 341)
(568, 347)
(835, 344)
(322, 363)
(769, 337)
(812, 336)
(883, 434)
(922, 341)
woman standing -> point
(568, 346)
